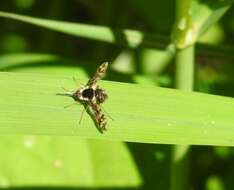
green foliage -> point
(162, 113)
(35, 63)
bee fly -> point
(91, 96)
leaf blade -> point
(144, 114)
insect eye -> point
(88, 93)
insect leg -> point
(108, 115)
(69, 105)
(77, 82)
(82, 113)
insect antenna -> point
(65, 94)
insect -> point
(91, 96)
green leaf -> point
(13, 60)
(65, 161)
(195, 18)
(206, 13)
(29, 105)
(131, 38)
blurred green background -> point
(74, 163)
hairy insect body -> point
(92, 96)
(84, 94)
(87, 94)
(100, 95)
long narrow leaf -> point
(131, 38)
(29, 105)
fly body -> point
(91, 96)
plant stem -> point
(185, 68)
(184, 81)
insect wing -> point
(98, 75)
(98, 115)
